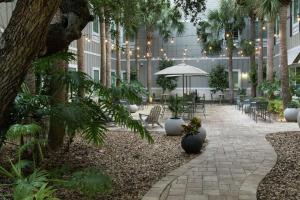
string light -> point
(161, 49)
(106, 41)
(138, 55)
(298, 17)
(227, 34)
(250, 42)
(198, 39)
(126, 42)
(148, 42)
(138, 48)
(210, 48)
(263, 28)
(172, 40)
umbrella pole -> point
(186, 84)
(182, 85)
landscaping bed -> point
(132, 163)
(283, 181)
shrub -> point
(293, 104)
(193, 127)
(166, 83)
(276, 107)
(218, 78)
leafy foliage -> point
(276, 107)
(166, 83)
(248, 47)
(89, 181)
(193, 127)
(293, 104)
(218, 79)
(269, 88)
(191, 8)
(175, 106)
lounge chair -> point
(152, 118)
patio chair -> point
(152, 118)
(262, 111)
(200, 105)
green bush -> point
(276, 107)
(218, 78)
(166, 83)
(293, 104)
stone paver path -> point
(236, 159)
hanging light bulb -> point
(250, 42)
(148, 42)
(263, 28)
(126, 42)
(137, 48)
(227, 34)
(172, 40)
(210, 48)
(161, 49)
(138, 55)
(198, 39)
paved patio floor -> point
(236, 159)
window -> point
(113, 78)
(96, 75)
(236, 80)
(294, 9)
(124, 76)
(96, 26)
(72, 67)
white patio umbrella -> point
(182, 70)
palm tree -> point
(269, 9)
(80, 59)
(158, 15)
(108, 54)
(102, 45)
(285, 88)
(227, 18)
(260, 69)
(248, 8)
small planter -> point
(133, 108)
(192, 144)
(290, 114)
(173, 126)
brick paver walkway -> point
(236, 159)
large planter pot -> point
(192, 144)
(202, 134)
(173, 126)
(290, 114)
(133, 108)
(298, 119)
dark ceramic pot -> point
(192, 144)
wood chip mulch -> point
(133, 164)
(283, 181)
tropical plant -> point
(226, 20)
(269, 88)
(270, 10)
(32, 187)
(193, 127)
(218, 79)
(276, 107)
(175, 106)
(241, 91)
(90, 181)
(293, 104)
(166, 83)
(161, 16)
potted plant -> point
(194, 136)
(291, 112)
(173, 125)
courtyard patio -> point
(233, 163)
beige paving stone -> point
(235, 160)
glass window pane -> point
(96, 75)
(296, 11)
(96, 25)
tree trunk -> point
(27, 26)
(30, 80)
(128, 71)
(260, 70)
(58, 93)
(230, 76)
(270, 50)
(252, 56)
(103, 47)
(149, 61)
(285, 92)
(108, 55)
(80, 61)
(118, 54)
(137, 67)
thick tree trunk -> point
(137, 51)
(149, 61)
(59, 96)
(230, 76)
(260, 70)
(285, 92)
(27, 26)
(108, 55)
(252, 56)
(118, 54)
(128, 71)
(103, 47)
(80, 61)
(270, 50)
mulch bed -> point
(132, 163)
(283, 181)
